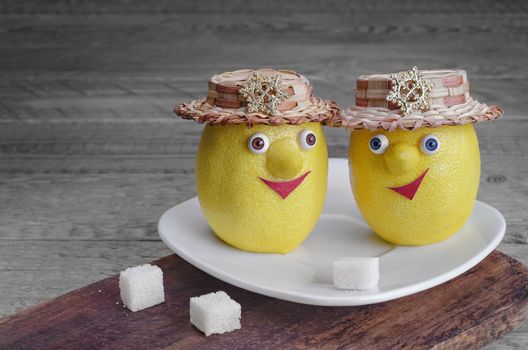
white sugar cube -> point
(215, 313)
(141, 287)
(356, 273)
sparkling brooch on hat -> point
(263, 93)
(410, 91)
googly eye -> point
(258, 143)
(429, 144)
(378, 144)
(307, 139)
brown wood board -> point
(467, 312)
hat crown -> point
(263, 90)
(445, 88)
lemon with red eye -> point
(262, 188)
(262, 164)
(415, 187)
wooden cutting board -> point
(472, 310)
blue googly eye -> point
(430, 144)
(378, 144)
(375, 143)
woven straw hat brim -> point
(322, 111)
(371, 118)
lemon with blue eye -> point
(415, 187)
(414, 156)
(262, 188)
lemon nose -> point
(401, 158)
(284, 160)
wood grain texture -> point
(465, 313)
(33, 271)
(91, 155)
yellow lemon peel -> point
(240, 207)
(447, 183)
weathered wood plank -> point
(332, 48)
(254, 6)
(33, 271)
(344, 28)
(179, 138)
(114, 206)
(513, 341)
(133, 98)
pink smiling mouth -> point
(409, 190)
(284, 188)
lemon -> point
(262, 188)
(415, 187)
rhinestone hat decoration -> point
(263, 93)
(410, 91)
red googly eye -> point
(258, 143)
(307, 139)
(310, 139)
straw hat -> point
(413, 99)
(263, 96)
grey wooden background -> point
(91, 155)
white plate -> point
(305, 275)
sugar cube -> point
(141, 287)
(215, 313)
(356, 273)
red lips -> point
(409, 190)
(284, 188)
